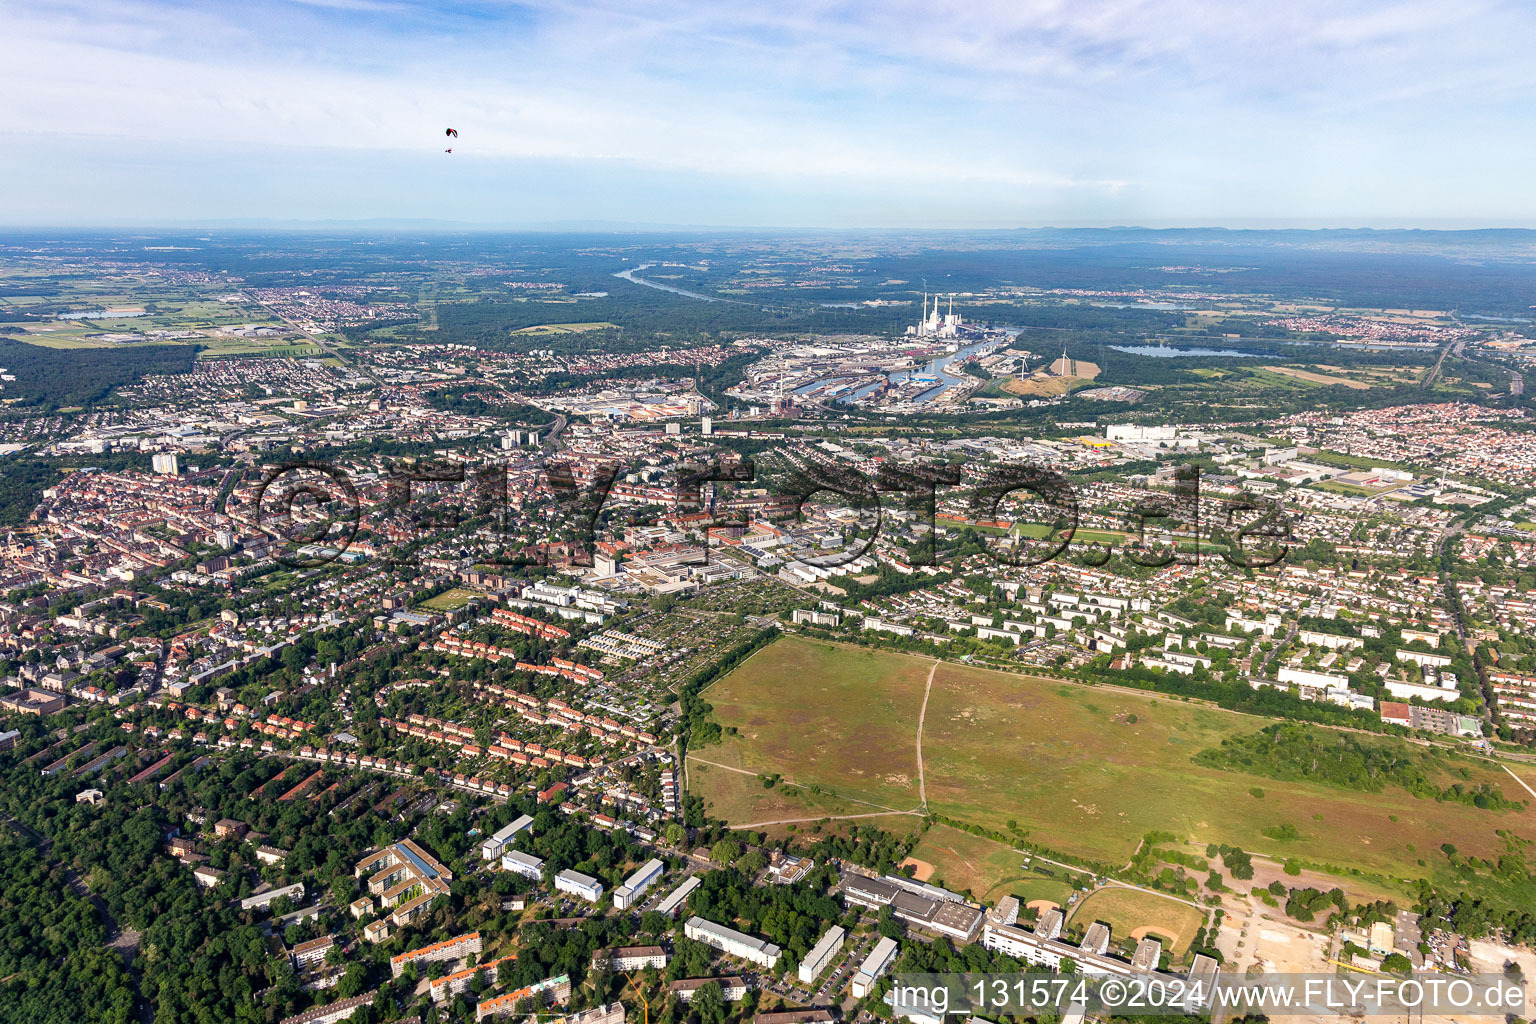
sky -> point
(876, 113)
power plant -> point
(932, 325)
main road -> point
(319, 342)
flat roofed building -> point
(613, 1013)
(873, 893)
(411, 909)
(294, 892)
(875, 965)
(787, 870)
(495, 844)
(1097, 938)
(1006, 911)
(341, 1010)
(731, 987)
(677, 897)
(577, 884)
(821, 954)
(956, 921)
(449, 985)
(914, 1004)
(1149, 953)
(628, 894)
(793, 1017)
(732, 942)
(1034, 948)
(550, 990)
(1204, 969)
(1203, 975)
(912, 905)
(932, 892)
(405, 876)
(525, 864)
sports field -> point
(1086, 771)
(987, 869)
(449, 600)
(1134, 914)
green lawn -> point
(449, 600)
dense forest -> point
(52, 959)
(53, 378)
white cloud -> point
(1106, 98)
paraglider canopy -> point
(452, 133)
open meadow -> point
(1086, 771)
(848, 723)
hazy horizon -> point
(576, 227)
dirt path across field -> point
(922, 785)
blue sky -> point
(819, 114)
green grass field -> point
(1037, 531)
(849, 725)
(1331, 458)
(743, 800)
(263, 348)
(989, 870)
(1066, 764)
(1354, 490)
(1133, 914)
(449, 600)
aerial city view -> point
(648, 515)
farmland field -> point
(1317, 378)
(1082, 770)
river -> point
(629, 275)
